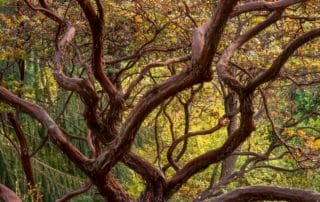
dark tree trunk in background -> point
(230, 109)
(25, 158)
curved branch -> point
(44, 4)
(41, 145)
(96, 23)
(263, 5)
(142, 50)
(155, 180)
(75, 193)
(7, 195)
(222, 71)
(176, 142)
(79, 85)
(206, 38)
(278, 63)
(147, 171)
(254, 193)
(201, 162)
(200, 72)
(110, 189)
(46, 11)
(54, 132)
(246, 120)
(151, 65)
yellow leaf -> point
(301, 133)
(289, 132)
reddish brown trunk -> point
(228, 164)
(153, 192)
(110, 189)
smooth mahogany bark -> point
(256, 193)
(7, 195)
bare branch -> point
(199, 73)
(96, 23)
(278, 63)
(223, 73)
(263, 5)
(54, 132)
(145, 69)
(267, 193)
(47, 12)
(75, 193)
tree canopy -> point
(164, 100)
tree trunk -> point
(228, 164)
(152, 193)
(230, 106)
(110, 189)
